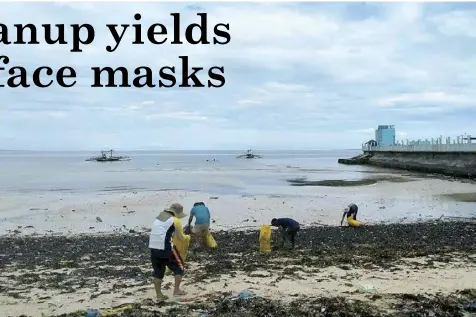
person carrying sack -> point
(351, 213)
(163, 254)
(201, 229)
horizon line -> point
(175, 150)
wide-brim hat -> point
(176, 210)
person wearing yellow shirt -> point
(163, 253)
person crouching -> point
(289, 229)
(162, 252)
(351, 213)
(202, 223)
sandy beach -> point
(312, 111)
(48, 193)
(387, 201)
(72, 245)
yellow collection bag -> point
(182, 248)
(210, 241)
(352, 222)
(265, 239)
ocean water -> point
(45, 174)
(24, 171)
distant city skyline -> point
(298, 76)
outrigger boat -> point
(111, 158)
(249, 155)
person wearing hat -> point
(351, 213)
(162, 252)
(289, 229)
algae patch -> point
(347, 183)
(463, 197)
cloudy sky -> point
(298, 76)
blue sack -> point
(92, 313)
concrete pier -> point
(457, 158)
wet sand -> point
(402, 198)
(425, 269)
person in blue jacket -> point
(201, 213)
(289, 229)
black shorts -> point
(162, 259)
(292, 231)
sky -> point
(298, 76)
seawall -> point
(457, 164)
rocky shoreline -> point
(85, 268)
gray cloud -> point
(300, 75)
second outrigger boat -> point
(108, 158)
(249, 155)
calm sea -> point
(22, 171)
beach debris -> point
(214, 197)
(470, 307)
(245, 295)
(98, 219)
(368, 288)
(115, 310)
(92, 313)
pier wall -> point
(437, 147)
(458, 163)
(455, 157)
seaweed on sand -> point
(405, 305)
(122, 260)
(464, 197)
(347, 183)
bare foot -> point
(161, 298)
(179, 293)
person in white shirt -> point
(163, 253)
